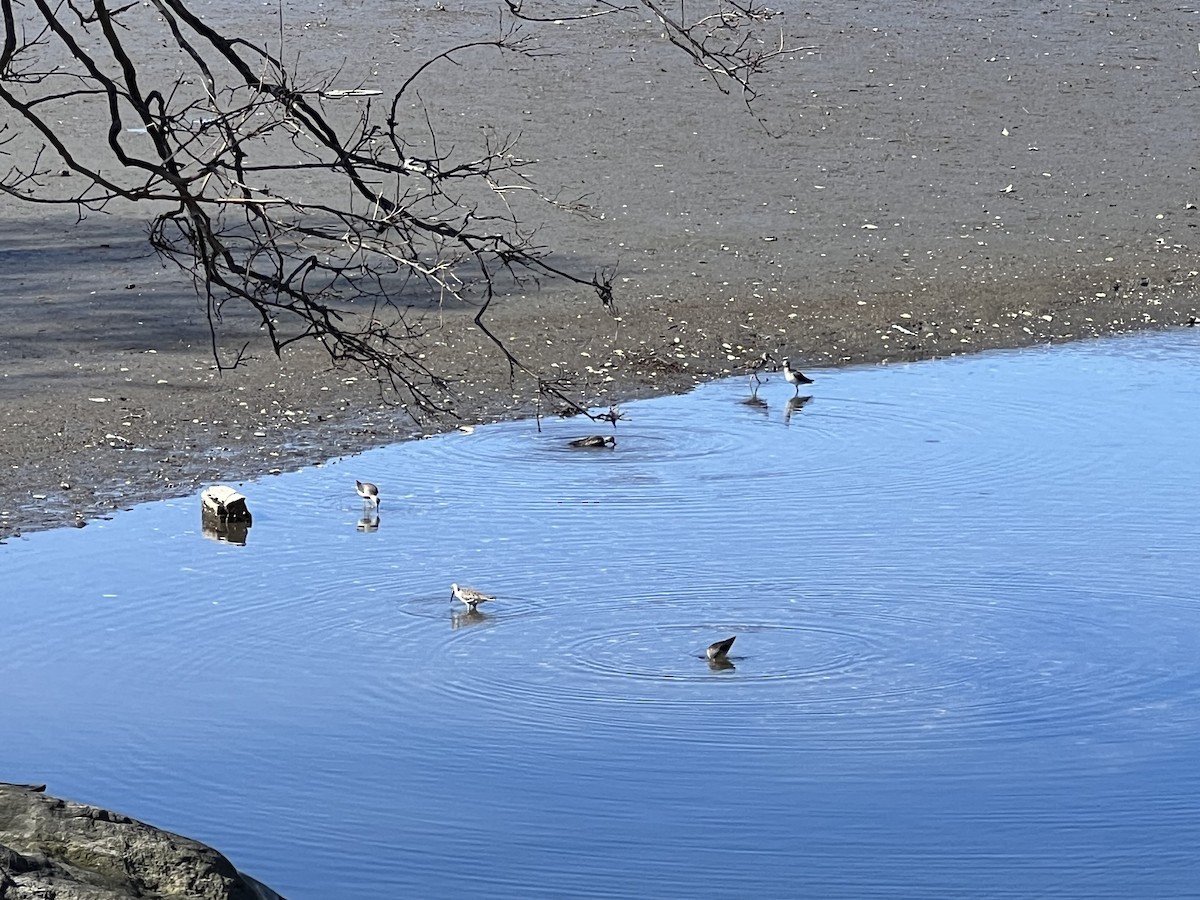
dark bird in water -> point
(595, 440)
(469, 596)
(795, 377)
(720, 649)
(368, 491)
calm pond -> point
(965, 594)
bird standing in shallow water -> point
(469, 596)
(720, 649)
(763, 361)
(369, 492)
(795, 377)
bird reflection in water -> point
(467, 618)
(754, 401)
(368, 523)
(794, 405)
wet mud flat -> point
(928, 183)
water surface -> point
(968, 654)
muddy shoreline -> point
(943, 184)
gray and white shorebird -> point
(794, 376)
(720, 649)
(369, 492)
(595, 440)
(469, 596)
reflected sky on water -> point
(967, 657)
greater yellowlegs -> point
(795, 377)
(369, 492)
(720, 649)
(595, 440)
(469, 596)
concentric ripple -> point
(898, 431)
(657, 652)
(935, 670)
(969, 574)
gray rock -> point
(69, 851)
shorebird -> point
(794, 376)
(763, 361)
(595, 440)
(720, 649)
(368, 491)
(469, 596)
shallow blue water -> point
(968, 655)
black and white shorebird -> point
(765, 359)
(369, 492)
(469, 596)
(720, 650)
(753, 400)
(794, 376)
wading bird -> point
(595, 440)
(720, 649)
(795, 377)
(369, 492)
(469, 596)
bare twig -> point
(219, 150)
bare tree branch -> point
(218, 153)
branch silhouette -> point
(219, 155)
